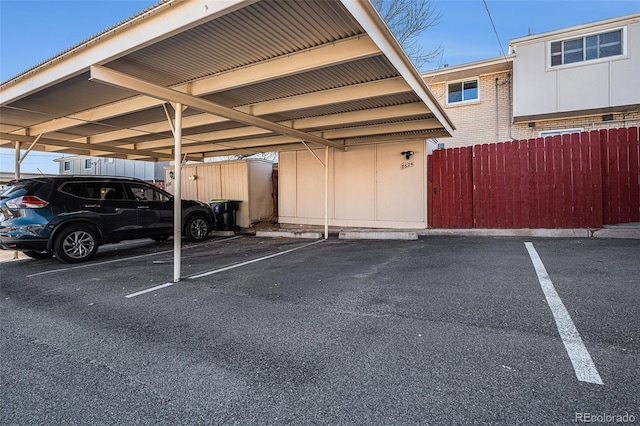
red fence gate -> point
(582, 180)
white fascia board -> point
(368, 17)
(575, 29)
(161, 22)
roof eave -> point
(373, 24)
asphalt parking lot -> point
(442, 330)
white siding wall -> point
(367, 187)
(541, 89)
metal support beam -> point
(30, 148)
(124, 81)
(95, 149)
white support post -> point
(326, 193)
(16, 255)
(18, 161)
(177, 194)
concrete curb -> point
(548, 233)
(289, 234)
(377, 235)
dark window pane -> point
(611, 44)
(591, 50)
(556, 60)
(470, 90)
(556, 47)
(455, 92)
(573, 51)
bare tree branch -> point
(408, 20)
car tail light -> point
(26, 202)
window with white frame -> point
(462, 91)
(547, 133)
(66, 166)
(87, 163)
(587, 48)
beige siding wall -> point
(246, 180)
(368, 186)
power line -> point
(494, 29)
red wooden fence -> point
(582, 180)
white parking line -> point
(583, 365)
(226, 268)
(237, 265)
(148, 290)
(124, 259)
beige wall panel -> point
(234, 180)
(209, 184)
(354, 174)
(310, 190)
(260, 190)
(400, 193)
(189, 187)
(583, 87)
(625, 71)
(534, 88)
(287, 184)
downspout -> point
(497, 139)
(507, 81)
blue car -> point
(71, 216)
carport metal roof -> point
(255, 75)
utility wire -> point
(495, 30)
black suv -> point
(70, 216)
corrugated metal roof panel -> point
(261, 31)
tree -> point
(408, 20)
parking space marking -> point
(237, 265)
(148, 290)
(583, 365)
(53, 271)
(226, 268)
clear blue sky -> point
(32, 31)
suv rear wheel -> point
(75, 244)
(196, 229)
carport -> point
(191, 79)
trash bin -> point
(226, 214)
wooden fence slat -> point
(614, 176)
(512, 182)
(485, 187)
(585, 179)
(596, 180)
(557, 186)
(467, 188)
(525, 206)
(634, 175)
(566, 181)
(534, 214)
(500, 189)
(576, 190)
(432, 206)
(546, 195)
(623, 162)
